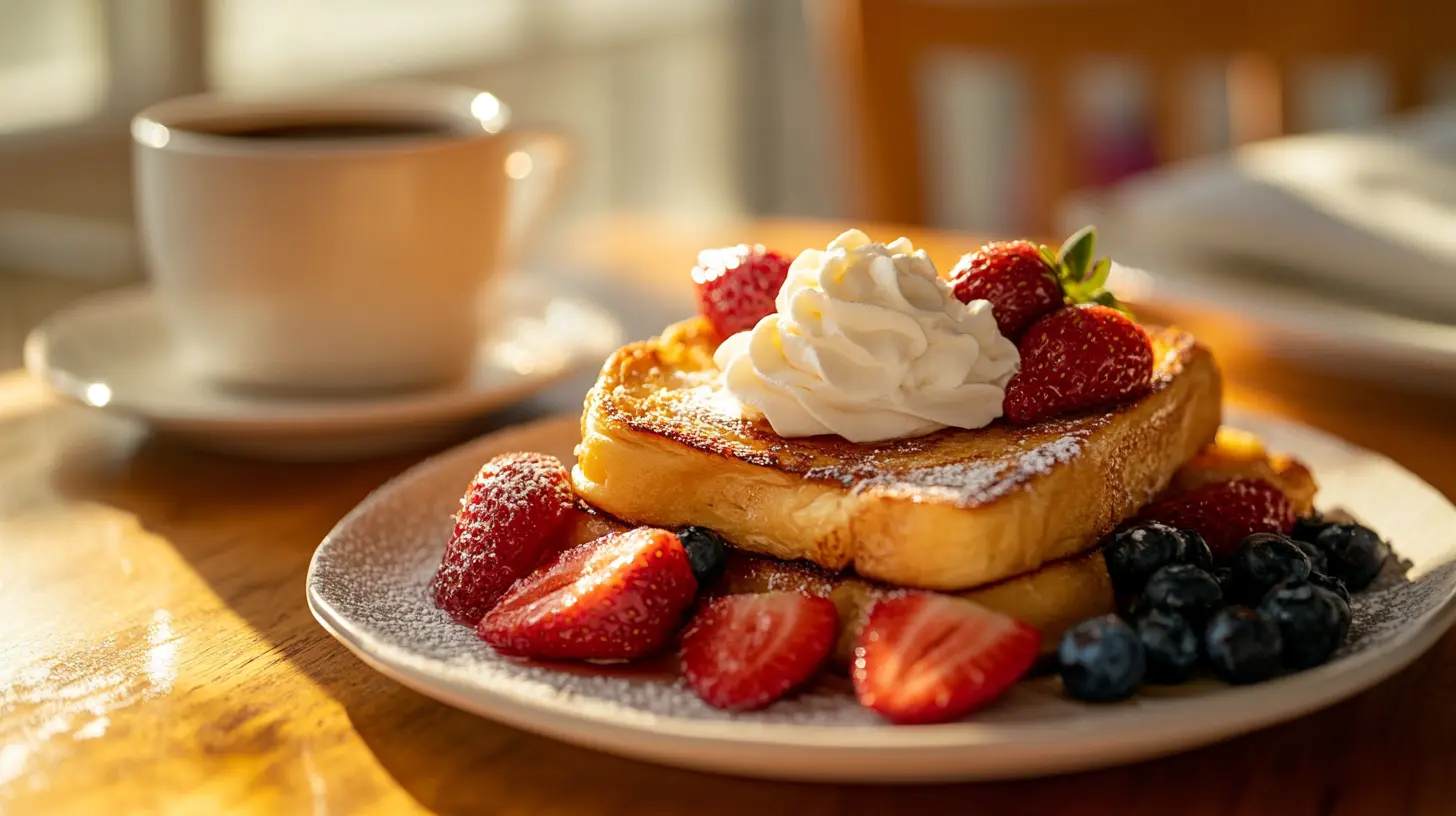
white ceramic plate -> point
(113, 352)
(368, 586)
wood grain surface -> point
(157, 655)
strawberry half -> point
(1024, 281)
(512, 515)
(1075, 358)
(926, 658)
(1225, 513)
(743, 652)
(737, 285)
(619, 597)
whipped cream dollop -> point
(869, 343)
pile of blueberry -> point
(1280, 603)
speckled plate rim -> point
(1099, 737)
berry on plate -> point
(1356, 553)
(511, 517)
(1265, 560)
(1319, 561)
(1185, 590)
(1199, 555)
(927, 658)
(619, 597)
(1225, 513)
(1075, 358)
(1134, 553)
(742, 652)
(737, 285)
(1312, 622)
(1101, 660)
(707, 552)
(1170, 645)
(1024, 281)
(1243, 645)
(1307, 527)
(1334, 585)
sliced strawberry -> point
(743, 652)
(737, 285)
(925, 658)
(512, 515)
(619, 597)
(1015, 276)
(1225, 513)
(1075, 358)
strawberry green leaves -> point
(1083, 279)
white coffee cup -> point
(359, 260)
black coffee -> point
(328, 131)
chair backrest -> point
(878, 48)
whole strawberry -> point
(1024, 281)
(1076, 358)
(737, 285)
(513, 514)
(1015, 276)
(1225, 513)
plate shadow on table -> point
(452, 762)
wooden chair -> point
(877, 48)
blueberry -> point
(1137, 552)
(1196, 550)
(1318, 560)
(707, 553)
(1312, 622)
(1307, 527)
(1356, 553)
(1225, 578)
(1264, 560)
(1170, 646)
(1334, 585)
(1101, 660)
(1131, 607)
(1243, 646)
(1185, 590)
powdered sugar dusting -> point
(966, 484)
(370, 580)
(500, 530)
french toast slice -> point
(956, 509)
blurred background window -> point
(52, 62)
(685, 108)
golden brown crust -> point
(666, 387)
(951, 510)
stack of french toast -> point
(1007, 516)
(851, 460)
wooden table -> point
(156, 654)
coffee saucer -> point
(114, 352)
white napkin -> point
(1367, 215)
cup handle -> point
(534, 190)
